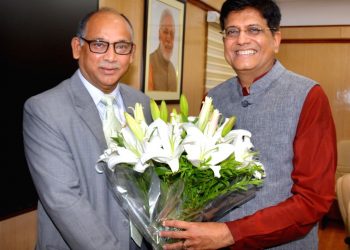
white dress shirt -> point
(97, 95)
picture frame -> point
(163, 49)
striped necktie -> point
(111, 125)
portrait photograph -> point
(163, 53)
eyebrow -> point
(249, 25)
(104, 40)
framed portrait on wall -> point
(164, 46)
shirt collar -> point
(96, 93)
(245, 90)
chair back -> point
(343, 167)
(343, 197)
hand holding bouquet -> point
(180, 167)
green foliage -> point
(200, 185)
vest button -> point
(245, 103)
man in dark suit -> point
(63, 139)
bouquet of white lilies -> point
(180, 167)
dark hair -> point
(82, 24)
(268, 9)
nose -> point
(110, 54)
(242, 37)
(168, 38)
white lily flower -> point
(216, 169)
(160, 141)
(259, 175)
(203, 151)
(125, 155)
(131, 152)
(175, 118)
(165, 144)
(212, 129)
(104, 158)
(242, 145)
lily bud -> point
(228, 126)
(134, 126)
(163, 111)
(175, 117)
(205, 113)
(213, 123)
(138, 113)
(184, 107)
(154, 110)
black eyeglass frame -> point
(108, 44)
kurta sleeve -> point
(315, 159)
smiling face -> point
(166, 36)
(103, 70)
(251, 55)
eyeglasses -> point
(233, 32)
(101, 47)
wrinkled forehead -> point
(104, 22)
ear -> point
(277, 40)
(132, 55)
(76, 48)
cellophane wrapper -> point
(147, 201)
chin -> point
(242, 69)
(110, 81)
(244, 65)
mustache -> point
(109, 65)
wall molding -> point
(202, 5)
(338, 33)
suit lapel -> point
(131, 96)
(86, 109)
(88, 112)
(128, 98)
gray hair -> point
(166, 13)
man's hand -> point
(197, 235)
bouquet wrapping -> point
(180, 167)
